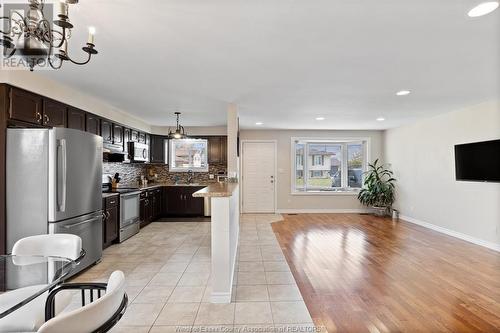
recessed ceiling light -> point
(380, 119)
(259, 123)
(320, 118)
(403, 92)
(483, 9)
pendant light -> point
(179, 130)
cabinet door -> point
(142, 137)
(157, 149)
(92, 124)
(223, 149)
(143, 211)
(194, 206)
(107, 131)
(117, 134)
(111, 224)
(150, 210)
(134, 136)
(175, 201)
(54, 113)
(76, 119)
(158, 198)
(25, 106)
(214, 149)
(126, 139)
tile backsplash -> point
(131, 172)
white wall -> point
(422, 156)
(31, 81)
(287, 202)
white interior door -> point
(258, 186)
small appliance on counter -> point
(221, 177)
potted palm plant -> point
(378, 189)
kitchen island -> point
(224, 232)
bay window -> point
(328, 165)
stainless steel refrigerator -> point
(54, 186)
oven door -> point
(129, 208)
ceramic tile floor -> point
(167, 268)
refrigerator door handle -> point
(61, 175)
(69, 226)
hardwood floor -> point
(360, 273)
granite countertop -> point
(156, 185)
(216, 190)
(107, 195)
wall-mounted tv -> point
(478, 161)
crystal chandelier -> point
(179, 130)
(37, 39)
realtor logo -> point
(24, 35)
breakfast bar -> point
(225, 231)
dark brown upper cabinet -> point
(134, 136)
(214, 149)
(127, 134)
(142, 137)
(217, 149)
(157, 151)
(92, 124)
(107, 131)
(76, 119)
(25, 106)
(117, 135)
(54, 113)
(223, 149)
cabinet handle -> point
(104, 217)
(108, 215)
(38, 117)
(46, 119)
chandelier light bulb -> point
(91, 38)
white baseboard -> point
(321, 211)
(449, 232)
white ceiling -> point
(285, 62)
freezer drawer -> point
(89, 228)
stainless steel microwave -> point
(138, 152)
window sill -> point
(327, 193)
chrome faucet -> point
(190, 176)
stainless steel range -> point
(129, 210)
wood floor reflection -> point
(360, 273)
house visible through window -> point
(188, 154)
(324, 165)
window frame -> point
(173, 168)
(344, 141)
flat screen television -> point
(478, 161)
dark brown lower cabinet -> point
(144, 209)
(110, 220)
(180, 201)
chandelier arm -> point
(11, 53)
(63, 38)
(80, 63)
(52, 65)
